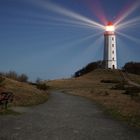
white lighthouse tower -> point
(110, 58)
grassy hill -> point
(24, 93)
(100, 86)
(90, 81)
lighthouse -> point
(110, 58)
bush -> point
(110, 81)
(119, 86)
(132, 91)
(38, 80)
(42, 86)
(23, 78)
(132, 67)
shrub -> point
(132, 67)
(132, 91)
(110, 81)
(42, 86)
(119, 86)
(23, 78)
(38, 80)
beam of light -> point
(58, 9)
(70, 43)
(97, 9)
(38, 22)
(128, 10)
(53, 21)
(47, 20)
(43, 19)
(136, 40)
(71, 22)
(83, 39)
(79, 40)
(90, 53)
(69, 46)
(130, 23)
(36, 19)
(75, 42)
(93, 47)
(121, 50)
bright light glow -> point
(110, 28)
(70, 14)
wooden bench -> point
(5, 98)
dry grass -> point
(90, 86)
(134, 77)
(24, 94)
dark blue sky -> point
(33, 39)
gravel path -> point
(64, 117)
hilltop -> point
(109, 89)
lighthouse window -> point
(112, 45)
(113, 52)
(112, 38)
(113, 58)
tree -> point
(38, 80)
(132, 67)
(23, 78)
(12, 75)
(90, 67)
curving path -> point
(64, 117)
(126, 78)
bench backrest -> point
(8, 96)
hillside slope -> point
(90, 80)
(98, 85)
(24, 93)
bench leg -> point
(2, 105)
(6, 105)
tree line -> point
(13, 75)
(88, 68)
(22, 78)
(132, 67)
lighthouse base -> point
(110, 64)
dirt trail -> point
(64, 117)
(126, 78)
